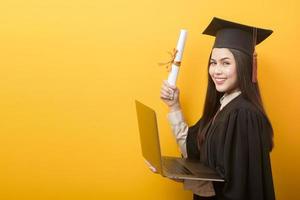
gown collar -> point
(226, 98)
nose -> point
(218, 69)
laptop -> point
(171, 167)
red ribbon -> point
(254, 57)
(254, 68)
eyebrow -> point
(221, 58)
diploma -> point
(177, 60)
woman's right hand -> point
(170, 95)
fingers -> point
(169, 93)
(166, 83)
(151, 167)
(166, 87)
(166, 95)
(166, 92)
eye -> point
(212, 63)
(226, 63)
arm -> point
(184, 135)
(179, 128)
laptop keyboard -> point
(175, 167)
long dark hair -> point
(250, 92)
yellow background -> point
(69, 74)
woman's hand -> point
(170, 96)
(153, 169)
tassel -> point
(254, 57)
(254, 68)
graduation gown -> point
(237, 146)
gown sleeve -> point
(191, 141)
(247, 166)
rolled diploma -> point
(180, 47)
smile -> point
(220, 80)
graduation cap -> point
(237, 36)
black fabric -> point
(237, 147)
(191, 140)
(196, 197)
(236, 36)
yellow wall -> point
(69, 74)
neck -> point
(232, 91)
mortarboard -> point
(237, 36)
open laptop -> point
(171, 167)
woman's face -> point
(222, 70)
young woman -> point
(234, 135)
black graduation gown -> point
(236, 145)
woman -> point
(234, 135)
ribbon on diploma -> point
(172, 60)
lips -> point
(220, 80)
